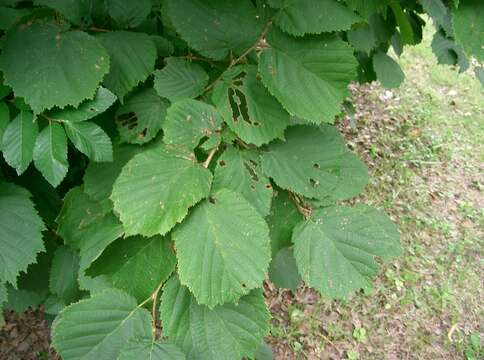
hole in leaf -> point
(243, 285)
(222, 163)
(316, 166)
(268, 186)
(251, 170)
(129, 120)
(212, 200)
(314, 183)
(238, 104)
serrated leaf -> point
(141, 117)
(133, 57)
(86, 110)
(263, 352)
(19, 140)
(468, 21)
(387, 70)
(439, 13)
(90, 139)
(308, 76)
(283, 217)
(156, 188)
(283, 271)
(136, 265)
(229, 331)
(49, 66)
(76, 11)
(241, 172)
(4, 120)
(164, 46)
(362, 38)
(20, 300)
(367, 7)
(99, 177)
(336, 247)
(223, 249)
(248, 108)
(50, 153)
(188, 121)
(20, 232)
(129, 13)
(149, 349)
(312, 16)
(85, 225)
(314, 162)
(208, 27)
(98, 327)
(180, 79)
(63, 274)
(448, 52)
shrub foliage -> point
(162, 158)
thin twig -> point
(153, 308)
(209, 158)
(244, 54)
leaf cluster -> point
(161, 159)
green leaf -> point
(136, 265)
(139, 349)
(263, 352)
(468, 21)
(209, 27)
(164, 46)
(406, 31)
(90, 139)
(448, 52)
(387, 70)
(367, 7)
(308, 76)
(20, 232)
(180, 79)
(362, 38)
(312, 16)
(133, 57)
(241, 172)
(85, 225)
(229, 331)
(4, 120)
(19, 140)
(63, 274)
(315, 163)
(439, 13)
(20, 300)
(9, 16)
(99, 177)
(76, 11)
(86, 110)
(283, 271)
(50, 153)
(156, 188)
(188, 121)
(283, 217)
(222, 248)
(248, 108)
(49, 66)
(129, 13)
(336, 247)
(141, 117)
(98, 327)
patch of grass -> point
(423, 143)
